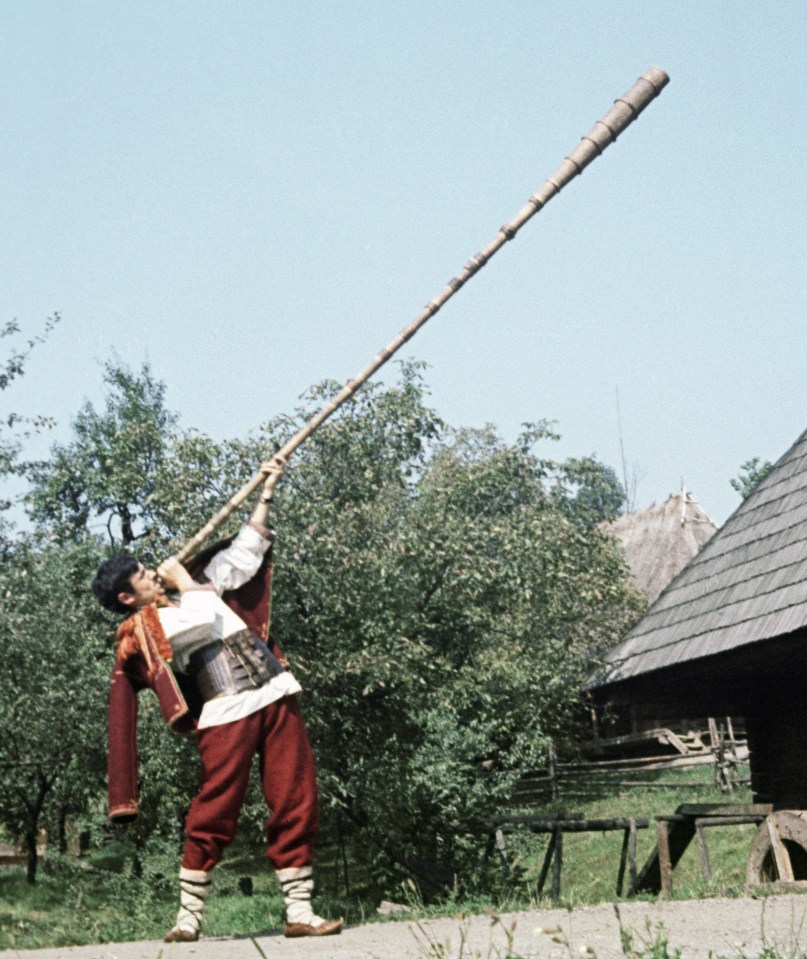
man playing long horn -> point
(202, 645)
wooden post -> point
(627, 856)
(558, 863)
(553, 772)
(501, 848)
(664, 860)
(706, 866)
(632, 852)
(623, 858)
(550, 849)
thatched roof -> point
(747, 585)
(659, 541)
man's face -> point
(146, 589)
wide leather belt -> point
(233, 665)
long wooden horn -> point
(605, 131)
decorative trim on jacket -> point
(141, 663)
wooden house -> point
(728, 636)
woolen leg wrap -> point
(297, 885)
(194, 888)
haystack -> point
(659, 541)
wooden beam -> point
(784, 867)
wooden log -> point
(729, 821)
(724, 809)
(568, 824)
(522, 818)
(633, 762)
(791, 831)
(584, 825)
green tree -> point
(588, 491)
(442, 595)
(52, 718)
(128, 478)
(107, 473)
(752, 472)
(16, 426)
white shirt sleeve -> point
(201, 616)
(200, 619)
(238, 562)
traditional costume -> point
(216, 673)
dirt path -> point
(734, 928)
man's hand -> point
(174, 575)
(272, 470)
(275, 465)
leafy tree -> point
(443, 595)
(130, 478)
(752, 472)
(588, 491)
(52, 719)
(12, 367)
(107, 472)
(121, 481)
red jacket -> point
(141, 664)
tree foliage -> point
(108, 472)
(751, 474)
(52, 716)
(16, 426)
(441, 594)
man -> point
(215, 672)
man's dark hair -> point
(114, 576)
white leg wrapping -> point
(297, 886)
(194, 888)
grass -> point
(590, 860)
(97, 900)
(76, 903)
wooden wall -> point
(764, 682)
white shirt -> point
(203, 617)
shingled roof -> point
(748, 584)
(659, 540)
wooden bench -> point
(676, 831)
(556, 825)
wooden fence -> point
(720, 747)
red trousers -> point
(277, 735)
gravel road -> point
(733, 928)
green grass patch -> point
(591, 860)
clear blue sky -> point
(255, 196)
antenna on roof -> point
(628, 506)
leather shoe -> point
(296, 930)
(180, 935)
